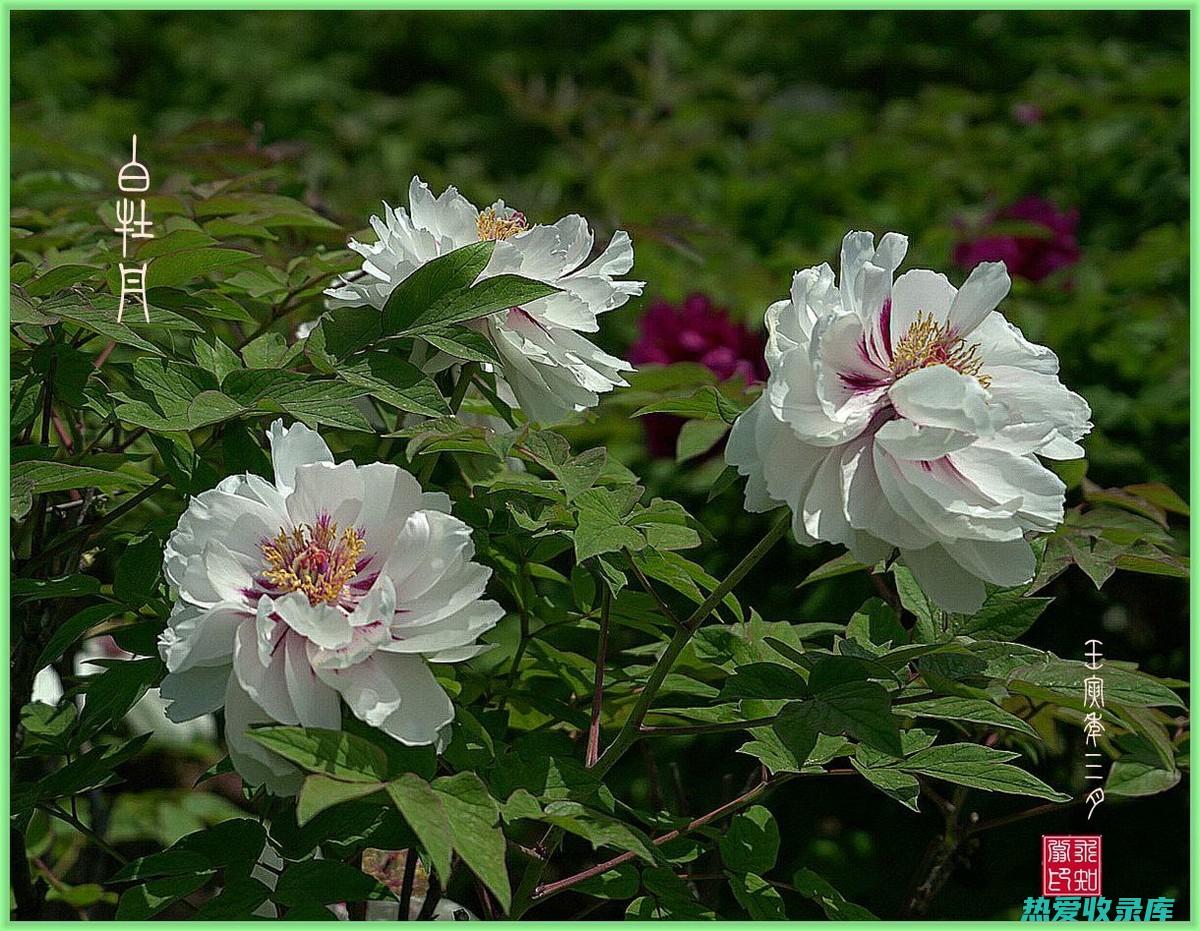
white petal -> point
(984, 289)
(458, 629)
(938, 396)
(315, 702)
(324, 489)
(323, 624)
(265, 685)
(47, 687)
(1008, 563)
(916, 291)
(372, 688)
(194, 692)
(200, 636)
(294, 446)
(424, 708)
(255, 763)
(907, 440)
(950, 586)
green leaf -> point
(326, 881)
(764, 680)
(669, 898)
(422, 808)
(601, 528)
(239, 898)
(979, 767)
(138, 570)
(432, 299)
(621, 882)
(67, 633)
(67, 586)
(975, 710)
(901, 786)
(45, 477)
(169, 271)
(751, 842)
(147, 900)
(708, 403)
(1124, 686)
(831, 902)
(320, 792)
(339, 754)
(1006, 614)
(698, 437)
(396, 382)
(413, 300)
(758, 897)
(601, 829)
(463, 343)
(112, 693)
(1139, 770)
(876, 624)
(60, 278)
(474, 819)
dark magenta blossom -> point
(696, 330)
(1034, 255)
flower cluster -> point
(909, 415)
(900, 415)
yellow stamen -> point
(313, 560)
(927, 342)
(491, 226)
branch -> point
(593, 741)
(549, 889)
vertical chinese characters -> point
(133, 178)
(1093, 724)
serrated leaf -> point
(463, 344)
(474, 819)
(320, 792)
(326, 881)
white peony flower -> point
(552, 369)
(336, 580)
(909, 415)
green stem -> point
(86, 831)
(629, 731)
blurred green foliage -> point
(735, 148)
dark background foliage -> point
(735, 148)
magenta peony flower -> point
(1033, 256)
(695, 331)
